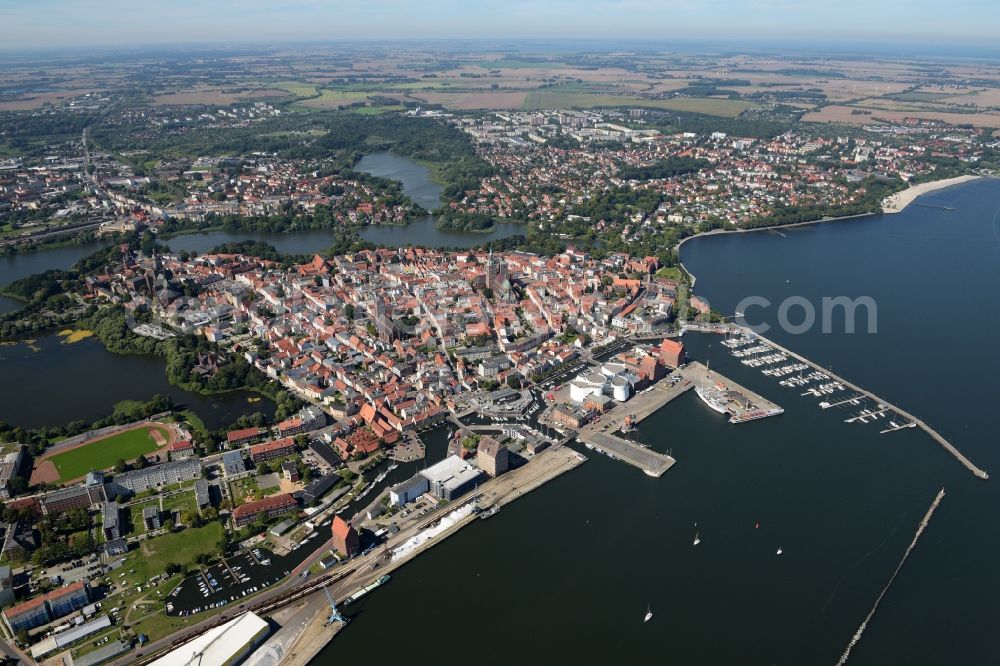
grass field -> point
(669, 272)
(183, 547)
(135, 512)
(331, 99)
(558, 100)
(105, 453)
(375, 110)
(296, 88)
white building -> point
(225, 644)
(614, 379)
(409, 490)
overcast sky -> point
(54, 23)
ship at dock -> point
(490, 512)
(713, 397)
(755, 414)
(357, 594)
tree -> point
(120, 466)
(147, 243)
(141, 462)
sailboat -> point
(697, 540)
(649, 614)
(779, 551)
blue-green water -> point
(48, 381)
(564, 574)
(418, 185)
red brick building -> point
(276, 505)
(672, 353)
(345, 537)
(278, 448)
(237, 438)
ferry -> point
(490, 512)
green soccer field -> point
(104, 453)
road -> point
(543, 467)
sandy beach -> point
(900, 200)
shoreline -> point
(897, 203)
(906, 196)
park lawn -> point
(135, 510)
(104, 453)
(153, 555)
(669, 272)
(159, 624)
(181, 502)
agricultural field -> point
(332, 99)
(843, 114)
(711, 106)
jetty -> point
(935, 435)
(885, 405)
(878, 600)
(600, 434)
(741, 403)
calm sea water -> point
(565, 574)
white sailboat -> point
(779, 550)
(649, 614)
(697, 539)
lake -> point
(569, 569)
(47, 381)
(16, 266)
(418, 185)
(414, 178)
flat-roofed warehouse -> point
(225, 644)
(451, 478)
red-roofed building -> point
(237, 438)
(672, 353)
(181, 450)
(277, 448)
(276, 505)
(42, 610)
(345, 537)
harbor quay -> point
(312, 636)
(726, 396)
(884, 405)
(301, 635)
(600, 434)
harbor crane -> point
(335, 615)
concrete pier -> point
(600, 435)
(968, 464)
(751, 406)
(935, 435)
